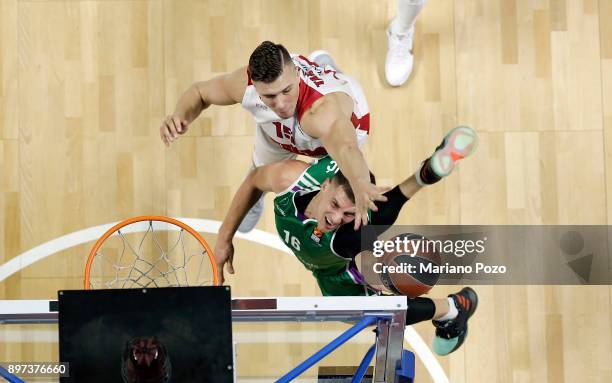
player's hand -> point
(224, 253)
(171, 128)
(366, 194)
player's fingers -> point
(220, 273)
(162, 132)
(169, 125)
(372, 206)
(379, 197)
(364, 219)
(383, 189)
(361, 217)
(164, 138)
(172, 127)
(230, 267)
(183, 127)
(165, 130)
(168, 135)
(169, 138)
(178, 124)
(377, 193)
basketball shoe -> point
(450, 334)
(459, 143)
(252, 217)
(400, 60)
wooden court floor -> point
(84, 86)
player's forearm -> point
(353, 165)
(244, 199)
(346, 153)
(190, 104)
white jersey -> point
(315, 82)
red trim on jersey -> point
(306, 98)
(362, 123)
(249, 81)
(312, 63)
(308, 95)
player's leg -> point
(451, 329)
(264, 153)
(399, 62)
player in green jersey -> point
(314, 204)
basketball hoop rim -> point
(160, 218)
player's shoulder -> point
(238, 81)
(285, 173)
(333, 102)
(226, 87)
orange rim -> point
(161, 218)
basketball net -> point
(150, 251)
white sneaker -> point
(323, 58)
(250, 220)
(400, 60)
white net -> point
(150, 254)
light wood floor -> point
(84, 86)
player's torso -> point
(315, 82)
(299, 233)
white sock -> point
(407, 12)
(452, 311)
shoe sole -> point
(473, 297)
(459, 143)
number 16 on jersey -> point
(291, 240)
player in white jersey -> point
(299, 108)
(282, 138)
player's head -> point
(275, 78)
(336, 203)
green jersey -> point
(300, 233)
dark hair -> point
(267, 62)
(340, 180)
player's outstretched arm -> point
(226, 89)
(274, 177)
(329, 120)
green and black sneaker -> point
(450, 334)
